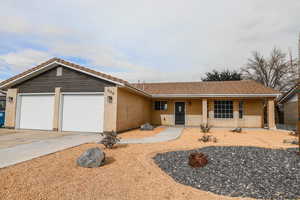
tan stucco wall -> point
(133, 110)
(11, 108)
(291, 113)
(110, 109)
(193, 111)
(252, 118)
(253, 113)
(193, 115)
(163, 117)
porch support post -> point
(11, 108)
(271, 114)
(236, 113)
(56, 110)
(211, 112)
(204, 111)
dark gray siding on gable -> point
(70, 81)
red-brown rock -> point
(197, 160)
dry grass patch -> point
(129, 173)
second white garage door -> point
(82, 112)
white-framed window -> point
(160, 105)
(2, 105)
(223, 109)
(241, 109)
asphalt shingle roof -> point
(209, 87)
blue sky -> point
(170, 40)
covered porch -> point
(217, 112)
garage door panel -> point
(82, 112)
(36, 112)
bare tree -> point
(279, 71)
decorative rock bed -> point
(238, 171)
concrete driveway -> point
(21, 145)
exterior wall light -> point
(109, 99)
(10, 99)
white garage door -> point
(82, 112)
(36, 112)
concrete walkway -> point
(170, 133)
(23, 152)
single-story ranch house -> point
(62, 96)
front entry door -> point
(179, 113)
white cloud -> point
(149, 40)
(23, 59)
(97, 55)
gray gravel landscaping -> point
(238, 171)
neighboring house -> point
(288, 105)
(59, 95)
(2, 100)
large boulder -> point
(93, 157)
(146, 127)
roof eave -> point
(136, 90)
(2, 93)
(212, 95)
(286, 96)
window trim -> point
(4, 103)
(222, 114)
(163, 105)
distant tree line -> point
(225, 75)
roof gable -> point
(35, 71)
